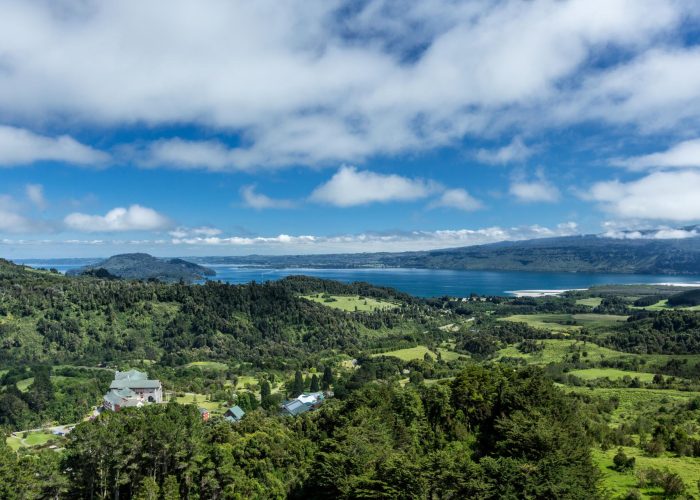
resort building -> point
(301, 404)
(132, 388)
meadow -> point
(612, 374)
(350, 303)
(557, 350)
(419, 352)
(566, 323)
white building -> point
(132, 388)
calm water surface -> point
(429, 282)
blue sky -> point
(230, 128)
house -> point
(306, 401)
(132, 389)
(234, 414)
(204, 413)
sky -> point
(224, 127)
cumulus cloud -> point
(682, 155)
(386, 241)
(11, 218)
(457, 198)
(669, 196)
(23, 147)
(516, 151)
(261, 201)
(666, 233)
(535, 190)
(183, 232)
(351, 187)
(133, 218)
(35, 193)
(385, 77)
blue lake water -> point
(430, 282)
(435, 283)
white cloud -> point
(183, 232)
(389, 241)
(133, 218)
(516, 151)
(260, 201)
(457, 198)
(536, 190)
(669, 196)
(655, 234)
(22, 147)
(351, 187)
(35, 193)
(681, 155)
(387, 77)
(11, 219)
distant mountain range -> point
(638, 253)
(143, 266)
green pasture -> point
(351, 303)
(556, 350)
(419, 352)
(200, 400)
(590, 301)
(632, 402)
(566, 323)
(617, 484)
(208, 365)
(662, 305)
(612, 374)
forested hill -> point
(46, 316)
(588, 253)
(143, 266)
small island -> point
(142, 266)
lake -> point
(430, 282)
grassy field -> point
(566, 323)
(351, 303)
(33, 439)
(556, 350)
(410, 353)
(633, 402)
(617, 484)
(612, 374)
(23, 385)
(662, 305)
(208, 365)
(590, 301)
(201, 401)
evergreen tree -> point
(298, 386)
(314, 383)
(327, 378)
(171, 488)
(265, 389)
(148, 489)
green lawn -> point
(351, 303)
(38, 438)
(208, 365)
(612, 374)
(410, 353)
(662, 305)
(245, 380)
(566, 323)
(14, 442)
(555, 350)
(617, 484)
(635, 401)
(590, 301)
(201, 401)
(24, 384)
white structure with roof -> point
(132, 388)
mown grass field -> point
(662, 305)
(617, 484)
(566, 323)
(351, 303)
(635, 401)
(419, 352)
(612, 374)
(208, 365)
(590, 301)
(555, 350)
(200, 400)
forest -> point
(592, 394)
